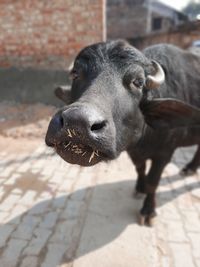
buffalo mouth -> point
(75, 151)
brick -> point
(55, 26)
(185, 202)
(17, 191)
(197, 261)
(60, 201)
(12, 179)
(1, 195)
(191, 182)
(24, 167)
(78, 195)
(195, 241)
(29, 261)
(7, 206)
(175, 232)
(196, 193)
(197, 207)
(24, 231)
(46, 195)
(54, 255)
(13, 251)
(7, 171)
(170, 213)
(191, 221)
(3, 215)
(49, 220)
(15, 216)
(38, 241)
(182, 255)
(11, 199)
(65, 186)
(31, 220)
(72, 210)
(28, 198)
(165, 262)
(5, 232)
(63, 232)
(40, 208)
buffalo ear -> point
(63, 93)
(170, 113)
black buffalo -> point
(146, 103)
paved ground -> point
(55, 214)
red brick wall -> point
(48, 34)
(183, 36)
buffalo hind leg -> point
(147, 213)
(192, 166)
(141, 179)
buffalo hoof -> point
(147, 214)
(187, 171)
(147, 219)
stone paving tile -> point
(53, 214)
(24, 231)
(5, 232)
(55, 253)
(195, 243)
(11, 254)
(29, 261)
(182, 255)
(37, 243)
(176, 232)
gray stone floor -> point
(55, 214)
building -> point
(134, 18)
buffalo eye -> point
(74, 74)
(138, 83)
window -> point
(156, 24)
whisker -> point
(73, 131)
(96, 153)
(65, 146)
(69, 133)
(92, 156)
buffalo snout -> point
(81, 135)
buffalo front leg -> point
(192, 166)
(148, 212)
(141, 179)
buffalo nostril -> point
(98, 126)
(55, 125)
(57, 122)
(61, 121)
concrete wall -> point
(31, 85)
(43, 35)
(126, 18)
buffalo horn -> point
(154, 81)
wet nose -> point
(55, 125)
(87, 121)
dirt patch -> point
(24, 120)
